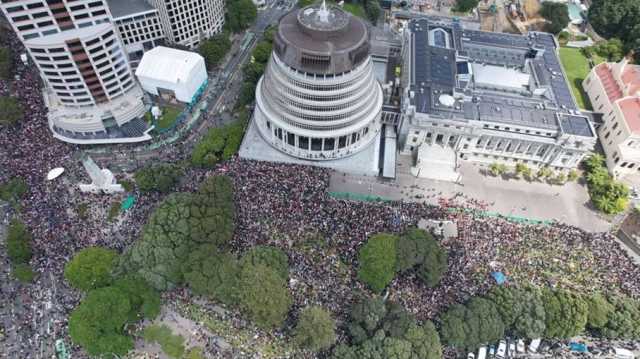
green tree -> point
(18, 242)
(263, 296)
(23, 272)
(240, 14)
(544, 173)
(599, 310)
(484, 323)
(161, 178)
(220, 143)
(253, 71)
(435, 264)
(262, 52)
(624, 321)
(10, 111)
(210, 272)
(144, 300)
(453, 331)
(573, 175)
(366, 317)
(316, 330)
(97, 324)
(269, 256)
(497, 169)
(465, 5)
(566, 313)
(594, 161)
(377, 261)
(214, 49)
(91, 268)
(179, 224)
(373, 10)
(523, 170)
(411, 248)
(557, 15)
(616, 19)
(6, 63)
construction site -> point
(511, 16)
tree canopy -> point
(264, 295)
(269, 256)
(386, 330)
(98, 323)
(315, 330)
(220, 143)
(160, 178)
(377, 260)
(467, 326)
(607, 194)
(91, 268)
(18, 242)
(240, 14)
(465, 5)
(617, 19)
(214, 49)
(10, 111)
(557, 15)
(213, 273)
(566, 313)
(181, 223)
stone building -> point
(487, 97)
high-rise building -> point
(319, 100)
(90, 91)
(187, 22)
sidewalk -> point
(540, 201)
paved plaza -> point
(568, 203)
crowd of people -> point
(283, 205)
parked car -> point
(482, 353)
(534, 345)
(502, 349)
(623, 353)
(520, 347)
(471, 356)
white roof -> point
(167, 64)
(500, 76)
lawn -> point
(355, 10)
(576, 66)
(169, 115)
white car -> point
(533, 346)
(512, 349)
(471, 356)
(482, 353)
(623, 353)
(520, 346)
(502, 349)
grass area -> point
(23, 272)
(576, 66)
(169, 115)
(355, 10)
(172, 345)
(114, 210)
(251, 340)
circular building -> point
(319, 98)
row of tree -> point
(111, 303)
(415, 251)
(531, 312)
(607, 194)
(214, 49)
(379, 329)
(19, 251)
(544, 173)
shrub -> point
(316, 330)
(607, 195)
(13, 189)
(6, 63)
(377, 260)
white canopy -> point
(54, 173)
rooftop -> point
(493, 77)
(122, 8)
(168, 64)
(630, 108)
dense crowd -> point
(283, 205)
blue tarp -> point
(499, 277)
(578, 347)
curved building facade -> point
(318, 98)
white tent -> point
(54, 173)
(166, 69)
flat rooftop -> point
(495, 77)
(122, 8)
